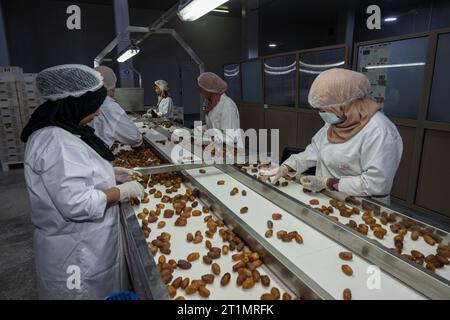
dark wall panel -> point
(403, 177)
(252, 116)
(38, 37)
(433, 189)
(286, 122)
(308, 125)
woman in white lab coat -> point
(220, 111)
(72, 188)
(359, 149)
(113, 124)
(165, 107)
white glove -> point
(131, 189)
(282, 171)
(124, 175)
(314, 184)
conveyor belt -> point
(318, 256)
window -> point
(279, 79)
(232, 75)
(396, 72)
(311, 64)
(439, 108)
(252, 81)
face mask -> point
(330, 118)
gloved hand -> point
(147, 116)
(131, 189)
(139, 144)
(124, 175)
(283, 170)
(314, 184)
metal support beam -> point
(122, 19)
(4, 50)
(250, 29)
(350, 30)
(185, 46)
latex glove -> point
(314, 184)
(130, 190)
(282, 171)
(124, 175)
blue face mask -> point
(330, 118)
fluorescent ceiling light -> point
(128, 54)
(279, 73)
(221, 10)
(390, 19)
(272, 45)
(400, 65)
(198, 8)
(231, 72)
(322, 66)
(266, 66)
(310, 71)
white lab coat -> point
(113, 125)
(74, 227)
(165, 108)
(225, 116)
(366, 164)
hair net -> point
(163, 85)
(69, 80)
(109, 77)
(338, 87)
(211, 82)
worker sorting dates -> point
(359, 149)
(113, 124)
(221, 112)
(165, 106)
(72, 188)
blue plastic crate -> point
(123, 296)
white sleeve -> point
(380, 157)
(126, 131)
(67, 175)
(165, 108)
(308, 158)
(230, 120)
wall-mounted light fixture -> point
(273, 45)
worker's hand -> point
(137, 145)
(130, 190)
(282, 171)
(124, 175)
(314, 184)
(154, 114)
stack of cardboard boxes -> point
(19, 98)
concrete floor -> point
(17, 274)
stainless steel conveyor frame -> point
(420, 279)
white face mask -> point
(330, 118)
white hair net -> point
(69, 80)
(163, 85)
(211, 82)
(337, 88)
(109, 77)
